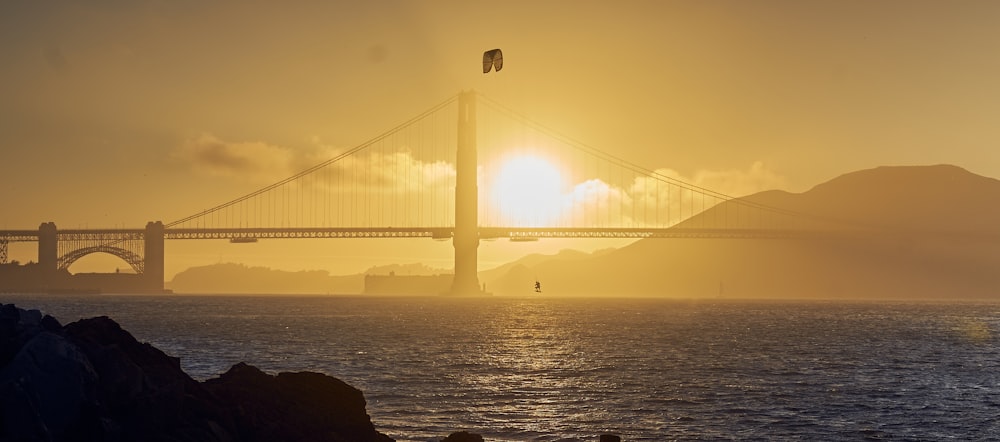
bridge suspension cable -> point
(644, 197)
(407, 167)
(405, 178)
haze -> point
(115, 113)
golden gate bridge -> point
(467, 169)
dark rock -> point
(10, 316)
(55, 379)
(300, 406)
(19, 420)
(30, 318)
(143, 391)
(610, 438)
(49, 323)
(92, 381)
(47, 385)
(463, 436)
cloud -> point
(618, 197)
(651, 200)
(670, 203)
(731, 182)
(252, 161)
(384, 178)
(380, 185)
(384, 169)
(736, 182)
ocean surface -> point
(565, 369)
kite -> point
(492, 58)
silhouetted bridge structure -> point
(427, 180)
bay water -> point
(566, 369)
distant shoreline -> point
(698, 300)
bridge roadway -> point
(143, 249)
(485, 233)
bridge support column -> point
(466, 239)
(48, 248)
(152, 273)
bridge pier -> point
(466, 239)
(152, 273)
(48, 248)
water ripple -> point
(551, 369)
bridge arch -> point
(134, 260)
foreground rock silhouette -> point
(92, 381)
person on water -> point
(538, 287)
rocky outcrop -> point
(91, 380)
(141, 391)
(294, 406)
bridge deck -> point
(486, 233)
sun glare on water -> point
(527, 190)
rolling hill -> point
(931, 232)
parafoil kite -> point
(492, 58)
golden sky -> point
(101, 101)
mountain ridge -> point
(943, 244)
(910, 261)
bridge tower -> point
(466, 239)
(152, 272)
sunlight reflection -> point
(529, 365)
(974, 330)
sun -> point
(528, 192)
